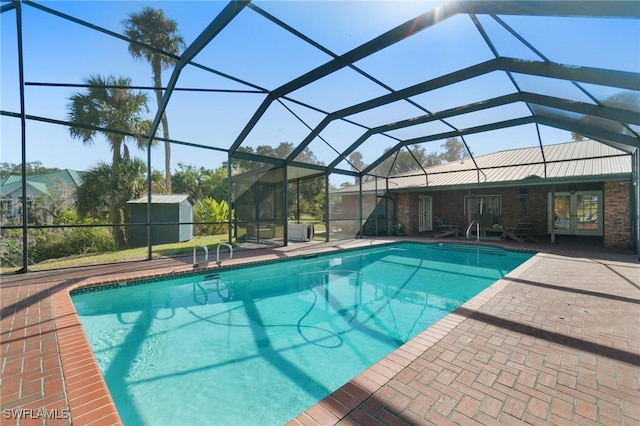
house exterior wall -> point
(347, 220)
(40, 204)
(617, 214)
(350, 207)
(519, 202)
(408, 212)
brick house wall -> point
(350, 207)
(519, 202)
(617, 214)
(530, 202)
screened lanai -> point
(261, 111)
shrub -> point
(216, 213)
(11, 247)
(56, 243)
(63, 242)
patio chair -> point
(520, 232)
(445, 229)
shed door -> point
(425, 215)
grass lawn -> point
(139, 253)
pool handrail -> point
(218, 251)
(206, 255)
(477, 230)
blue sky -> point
(261, 53)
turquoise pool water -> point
(258, 345)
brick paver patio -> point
(555, 342)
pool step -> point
(473, 248)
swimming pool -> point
(259, 344)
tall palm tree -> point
(154, 29)
(108, 104)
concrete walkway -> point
(557, 341)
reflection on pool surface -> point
(259, 344)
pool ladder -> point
(468, 233)
(206, 254)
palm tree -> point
(108, 107)
(154, 29)
(94, 198)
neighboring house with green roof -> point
(44, 192)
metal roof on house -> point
(573, 160)
(66, 176)
(161, 199)
(10, 179)
(10, 185)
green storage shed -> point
(168, 214)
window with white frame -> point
(483, 204)
(6, 205)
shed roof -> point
(162, 199)
(583, 160)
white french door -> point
(425, 214)
(578, 213)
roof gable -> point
(43, 183)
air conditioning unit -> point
(300, 231)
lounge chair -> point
(520, 232)
(445, 229)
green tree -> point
(454, 150)
(201, 183)
(577, 137)
(154, 29)
(408, 159)
(411, 158)
(281, 151)
(186, 180)
(33, 168)
(108, 104)
(95, 197)
(432, 159)
(309, 201)
(158, 184)
(357, 164)
(217, 184)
